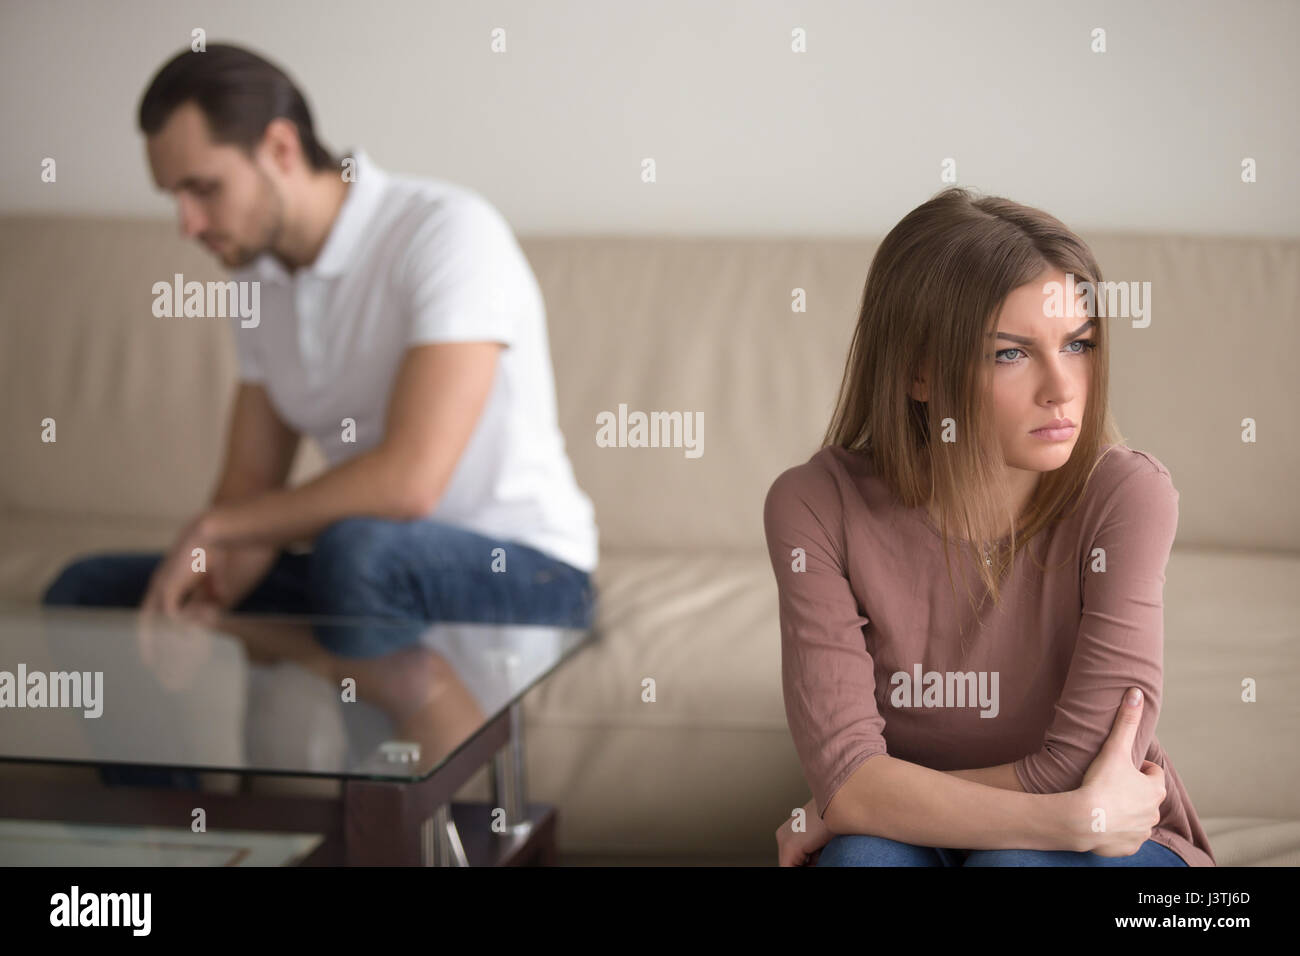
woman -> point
(973, 420)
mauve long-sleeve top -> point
(878, 656)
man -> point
(402, 328)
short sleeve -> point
(463, 276)
(1120, 642)
(827, 675)
(247, 355)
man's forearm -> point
(237, 488)
(367, 485)
(909, 803)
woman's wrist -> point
(814, 827)
(815, 822)
(1073, 820)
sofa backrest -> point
(654, 324)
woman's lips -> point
(1053, 434)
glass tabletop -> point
(272, 694)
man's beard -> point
(271, 222)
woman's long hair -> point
(933, 293)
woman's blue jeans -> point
(374, 568)
(852, 849)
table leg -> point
(440, 840)
(508, 784)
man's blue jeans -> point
(853, 849)
(375, 568)
(420, 570)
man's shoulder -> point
(437, 206)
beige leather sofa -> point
(707, 772)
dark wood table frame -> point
(372, 823)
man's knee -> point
(351, 567)
(347, 544)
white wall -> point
(748, 136)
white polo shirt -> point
(410, 261)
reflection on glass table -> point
(401, 712)
(261, 693)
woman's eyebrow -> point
(1023, 340)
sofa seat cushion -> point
(37, 545)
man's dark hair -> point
(239, 92)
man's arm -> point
(260, 447)
(437, 398)
(909, 803)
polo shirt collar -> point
(345, 235)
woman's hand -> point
(1128, 799)
(802, 849)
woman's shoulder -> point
(818, 486)
(1132, 489)
(822, 475)
(1119, 466)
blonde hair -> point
(933, 292)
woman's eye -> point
(1085, 345)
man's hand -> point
(231, 572)
(235, 570)
(174, 581)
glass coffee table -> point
(400, 713)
